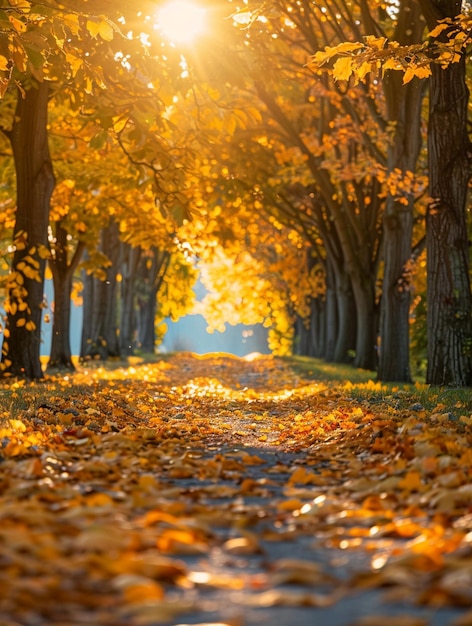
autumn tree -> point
(35, 183)
(404, 113)
(39, 49)
(449, 313)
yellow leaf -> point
(44, 252)
(376, 42)
(71, 20)
(3, 63)
(390, 64)
(19, 26)
(102, 28)
(348, 46)
(411, 482)
(342, 69)
(17, 425)
(93, 28)
(409, 75)
(437, 30)
(423, 72)
(363, 70)
(105, 30)
(21, 322)
(75, 63)
(119, 123)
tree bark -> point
(367, 325)
(449, 300)
(35, 184)
(449, 312)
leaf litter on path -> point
(223, 490)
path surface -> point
(224, 491)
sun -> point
(181, 21)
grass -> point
(19, 397)
(362, 386)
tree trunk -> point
(147, 318)
(332, 324)
(367, 324)
(35, 184)
(347, 320)
(152, 272)
(87, 312)
(404, 110)
(449, 300)
(100, 329)
(62, 274)
(449, 312)
(302, 339)
(318, 327)
(130, 261)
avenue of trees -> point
(314, 157)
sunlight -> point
(181, 21)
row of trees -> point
(292, 137)
(348, 131)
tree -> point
(35, 183)
(404, 111)
(59, 50)
(449, 312)
(23, 64)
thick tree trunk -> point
(449, 301)
(62, 274)
(35, 183)
(449, 312)
(404, 110)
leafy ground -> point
(239, 492)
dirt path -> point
(219, 490)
